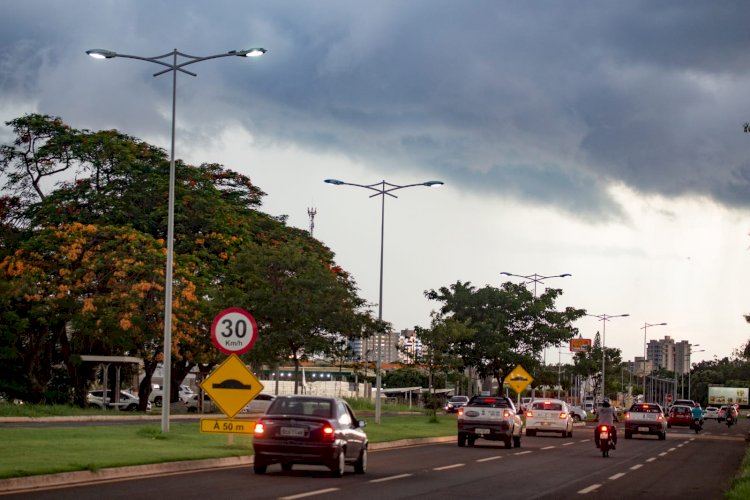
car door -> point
(350, 430)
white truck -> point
(489, 417)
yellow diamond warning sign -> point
(518, 379)
(232, 386)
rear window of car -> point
(295, 406)
(641, 408)
(681, 409)
(490, 402)
(547, 405)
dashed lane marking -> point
(446, 467)
(522, 453)
(548, 448)
(310, 494)
(636, 467)
(489, 458)
(589, 489)
(616, 476)
(568, 444)
(389, 478)
(650, 459)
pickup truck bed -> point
(491, 418)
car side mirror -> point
(362, 423)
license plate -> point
(293, 431)
(544, 424)
(643, 429)
(603, 435)
(482, 432)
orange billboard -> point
(580, 345)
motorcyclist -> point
(697, 413)
(606, 416)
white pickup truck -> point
(645, 418)
(489, 417)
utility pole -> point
(311, 213)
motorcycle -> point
(730, 420)
(697, 425)
(605, 439)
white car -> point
(126, 400)
(157, 394)
(549, 415)
(260, 404)
(711, 412)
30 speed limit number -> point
(234, 331)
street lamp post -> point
(381, 189)
(645, 329)
(604, 318)
(174, 66)
(536, 279)
(690, 367)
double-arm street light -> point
(645, 329)
(381, 189)
(604, 318)
(174, 65)
(536, 279)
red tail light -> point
(328, 432)
(506, 414)
(603, 428)
(529, 414)
(563, 416)
(460, 412)
(259, 429)
(660, 417)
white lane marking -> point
(568, 444)
(583, 440)
(616, 476)
(488, 458)
(310, 493)
(522, 453)
(389, 478)
(662, 453)
(636, 467)
(589, 489)
(446, 467)
(671, 449)
(548, 447)
(650, 459)
(681, 445)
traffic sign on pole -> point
(234, 331)
(231, 386)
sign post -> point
(518, 379)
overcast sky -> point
(598, 138)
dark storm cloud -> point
(548, 102)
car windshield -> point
(546, 405)
(299, 406)
(491, 402)
(641, 408)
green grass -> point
(740, 488)
(33, 410)
(27, 451)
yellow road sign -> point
(232, 386)
(227, 426)
(518, 379)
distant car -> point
(645, 418)
(711, 412)
(310, 430)
(578, 414)
(680, 415)
(455, 402)
(722, 413)
(260, 404)
(683, 402)
(126, 400)
(549, 415)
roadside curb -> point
(30, 483)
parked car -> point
(578, 414)
(645, 418)
(157, 394)
(549, 415)
(126, 401)
(310, 430)
(455, 402)
(680, 415)
(260, 404)
(192, 404)
(711, 412)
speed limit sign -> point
(234, 331)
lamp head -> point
(334, 181)
(254, 52)
(433, 183)
(101, 53)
